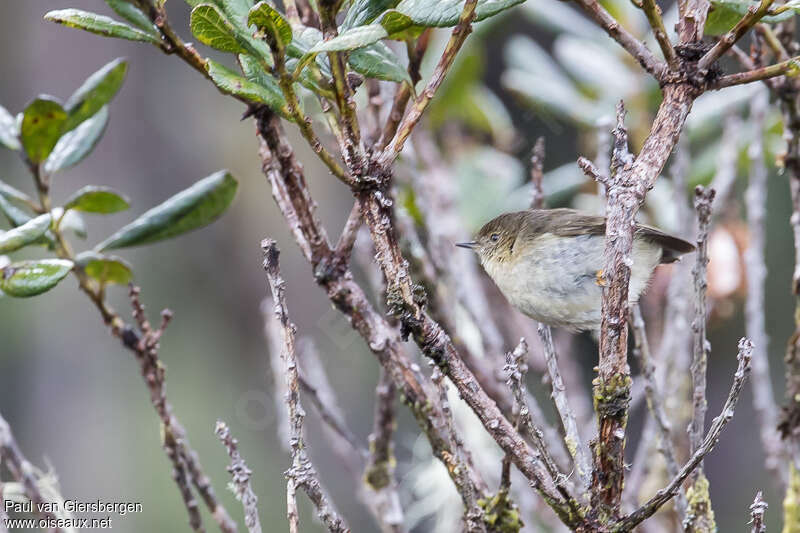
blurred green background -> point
(74, 397)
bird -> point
(548, 263)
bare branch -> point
(701, 346)
(575, 445)
(757, 510)
(654, 400)
(758, 74)
(474, 515)
(291, 194)
(22, 471)
(653, 13)
(302, 473)
(403, 93)
(754, 14)
(347, 239)
(379, 472)
(590, 170)
(691, 20)
(631, 44)
(755, 306)
(185, 461)
(613, 383)
(717, 425)
(459, 35)
(516, 369)
(240, 474)
(405, 303)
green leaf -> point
(15, 215)
(94, 199)
(74, 145)
(378, 61)
(724, 14)
(104, 268)
(236, 10)
(99, 24)
(25, 234)
(42, 125)
(213, 29)
(445, 13)
(29, 278)
(271, 21)
(391, 23)
(365, 11)
(190, 209)
(131, 13)
(351, 39)
(96, 91)
(232, 83)
(9, 133)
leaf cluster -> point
(51, 136)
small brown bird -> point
(548, 262)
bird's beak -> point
(469, 245)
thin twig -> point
(653, 13)
(758, 74)
(404, 129)
(384, 503)
(516, 369)
(404, 92)
(291, 194)
(302, 472)
(347, 239)
(240, 475)
(710, 440)
(577, 449)
(654, 399)
(22, 471)
(701, 346)
(631, 44)
(757, 510)
(473, 513)
(753, 15)
(379, 472)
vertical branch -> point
(379, 473)
(701, 347)
(302, 473)
(757, 510)
(613, 383)
(470, 494)
(699, 514)
(240, 475)
(755, 308)
(692, 16)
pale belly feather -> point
(556, 281)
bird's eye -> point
(495, 237)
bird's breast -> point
(554, 279)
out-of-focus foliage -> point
(53, 137)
